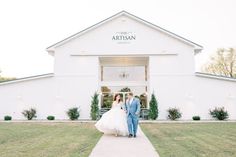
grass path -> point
(47, 139)
(193, 140)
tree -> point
(153, 111)
(94, 112)
(222, 63)
(106, 89)
(2, 79)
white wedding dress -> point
(113, 121)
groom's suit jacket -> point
(133, 108)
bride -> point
(114, 121)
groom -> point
(132, 109)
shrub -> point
(73, 113)
(50, 118)
(7, 118)
(153, 111)
(94, 112)
(30, 114)
(219, 113)
(196, 118)
(174, 113)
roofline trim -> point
(27, 78)
(219, 77)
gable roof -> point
(197, 47)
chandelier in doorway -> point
(123, 75)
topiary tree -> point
(94, 112)
(153, 111)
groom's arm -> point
(123, 106)
(138, 107)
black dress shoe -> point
(134, 136)
(130, 135)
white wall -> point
(51, 96)
(39, 93)
(78, 79)
(193, 95)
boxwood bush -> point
(219, 113)
(50, 118)
(6, 118)
(174, 113)
(196, 118)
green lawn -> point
(47, 139)
(193, 140)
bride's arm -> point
(113, 104)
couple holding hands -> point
(122, 119)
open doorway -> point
(108, 94)
(121, 75)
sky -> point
(28, 27)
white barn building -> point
(121, 51)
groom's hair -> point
(131, 94)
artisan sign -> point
(124, 37)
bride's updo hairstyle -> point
(116, 97)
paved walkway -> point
(111, 146)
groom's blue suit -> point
(133, 110)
